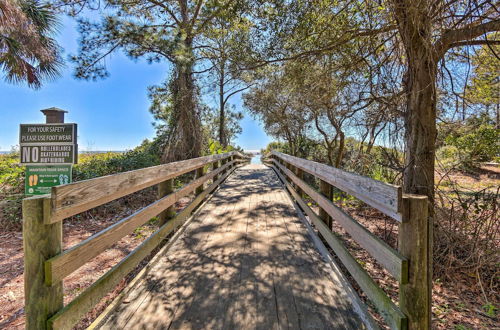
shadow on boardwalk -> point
(245, 262)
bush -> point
(11, 191)
(466, 236)
(469, 143)
(11, 175)
(95, 165)
(448, 156)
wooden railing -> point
(46, 264)
(410, 265)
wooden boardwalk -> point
(245, 261)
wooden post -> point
(326, 190)
(291, 168)
(215, 166)
(41, 242)
(199, 173)
(165, 188)
(300, 174)
(415, 243)
(222, 163)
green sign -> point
(47, 133)
(39, 179)
(48, 154)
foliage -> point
(485, 84)
(226, 41)
(11, 191)
(469, 143)
(11, 174)
(214, 147)
(228, 122)
(490, 309)
(28, 52)
(95, 165)
(170, 31)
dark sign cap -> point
(54, 115)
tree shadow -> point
(246, 261)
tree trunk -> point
(340, 152)
(420, 130)
(330, 154)
(184, 137)
(222, 115)
(414, 24)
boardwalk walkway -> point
(245, 261)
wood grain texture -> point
(70, 260)
(394, 317)
(380, 195)
(73, 198)
(415, 243)
(164, 189)
(391, 259)
(326, 190)
(200, 172)
(67, 317)
(40, 242)
(245, 262)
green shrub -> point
(11, 174)
(95, 165)
(476, 140)
(448, 156)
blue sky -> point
(112, 114)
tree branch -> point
(236, 91)
(167, 9)
(464, 36)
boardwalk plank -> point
(245, 262)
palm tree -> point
(28, 53)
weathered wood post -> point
(165, 188)
(415, 243)
(222, 163)
(291, 168)
(300, 174)
(215, 166)
(326, 190)
(199, 173)
(41, 242)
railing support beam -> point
(199, 173)
(415, 243)
(165, 188)
(41, 242)
(326, 190)
(215, 166)
(300, 174)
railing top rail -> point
(385, 197)
(73, 198)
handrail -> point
(411, 265)
(46, 264)
(391, 259)
(74, 198)
(70, 260)
(393, 315)
(382, 196)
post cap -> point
(54, 115)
